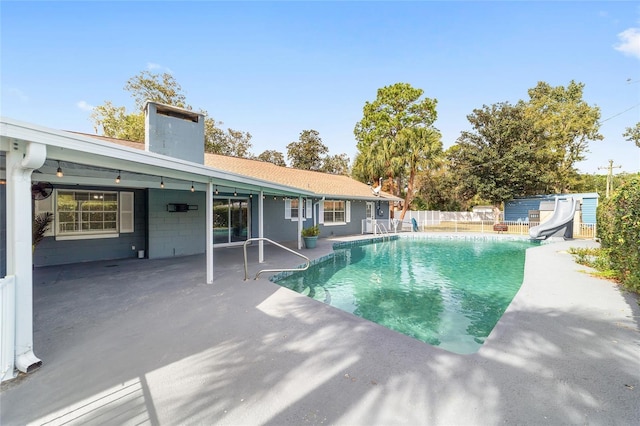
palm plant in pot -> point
(39, 228)
(310, 236)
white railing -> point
(246, 267)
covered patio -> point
(149, 342)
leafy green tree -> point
(162, 88)
(568, 123)
(502, 157)
(336, 164)
(396, 138)
(632, 134)
(272, 156)
(116, 122)
(419, 147)
(307, 153)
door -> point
(230, 220)
(371, 217)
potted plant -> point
(310, 236)
(40, 227)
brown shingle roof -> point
(323, 184)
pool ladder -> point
(382, 230)
(246, 267)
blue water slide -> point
(561, 222)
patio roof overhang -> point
(92, 161)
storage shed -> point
(521, 209)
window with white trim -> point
(88, 214)
(292, 209)
(335, 212)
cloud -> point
(152, 66)
(83, 105)
(629, 42)
(18, 94)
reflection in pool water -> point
(448, 293)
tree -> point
(396, 138)
(273, 156)
(162, 88)
(632, 134)
(568, 124)
(115, 122)
(420, 147)
(503, 157)
(307, 152)
(336, 164)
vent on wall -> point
(181, 208)
(183, 115)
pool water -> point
(447, 293)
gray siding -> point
(277, 228)
(57, 252)
(176, 233)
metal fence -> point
(436, 221)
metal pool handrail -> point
(246, 268)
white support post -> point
(300, 219)
(209, 232)
(22, 160)
(261, 227)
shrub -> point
(619, 231)
(312, 231)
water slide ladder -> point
(246, 267)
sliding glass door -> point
(230, 220)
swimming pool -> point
(445, 292)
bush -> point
(619, 232)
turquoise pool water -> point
(447, 293)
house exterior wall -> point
(58, 252)
(176, 233)
(277, 228)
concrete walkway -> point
(148, 342)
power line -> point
(610, 167)
(620, 113)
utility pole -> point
(610, 174)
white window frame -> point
(347, 213)
(307, 209)
(124, 216)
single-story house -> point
(166, 197)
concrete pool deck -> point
(148, 342)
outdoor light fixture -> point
(216, 190)
(250, 194)
(59, 171)
(192, 188)
(162, 182)
(235, 193)
(118, 178)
